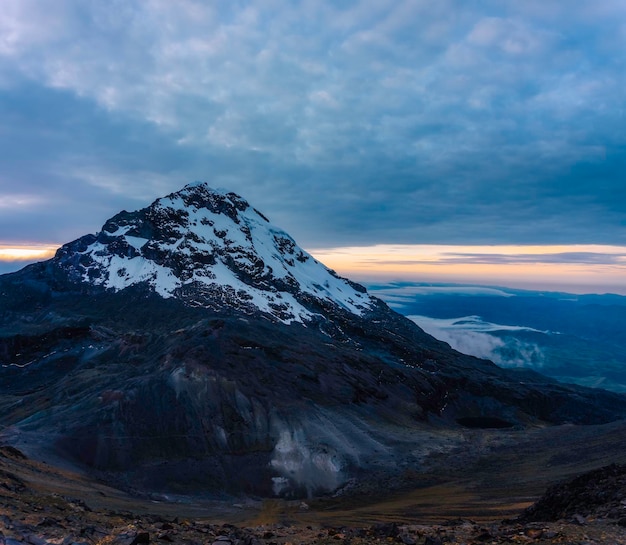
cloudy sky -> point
(451, 124)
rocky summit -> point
(192, 347)
(210, 248)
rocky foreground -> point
(153, 529)
(42, 505)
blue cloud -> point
(349, 122)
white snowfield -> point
(203, 242)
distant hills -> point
(579, 339)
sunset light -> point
(577, 268)
(26, 252)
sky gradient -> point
(349, 123)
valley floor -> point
(460, 500)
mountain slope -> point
(192, 346)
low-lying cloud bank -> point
(472, 335)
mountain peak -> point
(209, 247)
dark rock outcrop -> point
(598, 493)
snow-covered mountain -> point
(193, 346)
(206, 246)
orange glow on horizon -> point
(512, 266)
(536, 267)
(27, 252)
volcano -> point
(194, 347)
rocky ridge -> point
(598, 493)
